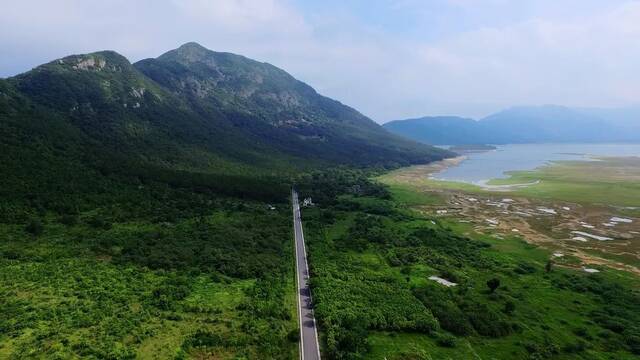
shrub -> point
(524, 268)
(582, 332)
(487, 322)
(99, 222)
(294, 335)
(578, 346)
(202, 338)
(68, 220)
(633, 342)
(493, 284)
(452, 319)
(347, 342)
(509, 307)
(34, 227)
(446, 340)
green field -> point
(608, 181)
(371, 257)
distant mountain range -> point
(526, 124)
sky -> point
(388, 59)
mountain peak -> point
(188, 53)
(106, 60)
(191, 45)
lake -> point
(480, 167)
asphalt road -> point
(309, 347)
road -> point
(309, 346)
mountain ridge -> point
(520, 124)
(232, 109)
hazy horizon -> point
(388, 59)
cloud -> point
(588, 60)
(389, 59)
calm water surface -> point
(483, 166)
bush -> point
(543, 350)
(34, 227)
(493, 284)
(446, 340)
(451, 318)
(633, 341)
(202, 338)
(524, 268)
(488, 322)
(68, 220)
(347, 342)
(573, 348)
(293, 336)
(99, 222)
(509, 307)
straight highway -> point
(309, 346)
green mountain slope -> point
(269, 104)
(103, 96)
(192, 117)
(196, 110)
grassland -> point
(609, 181)
(581, 195)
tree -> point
(509, 307)
(68, 219)
(493, 284)
(35, 227)
(549, 265)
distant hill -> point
(530, 124)
(436, 130)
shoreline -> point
(433, 169)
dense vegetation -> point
(216, 283)
(111, 261)
(370, 263)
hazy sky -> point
(388, 59)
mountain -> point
(626, 120)
(191, 115)
(267, 104)
(549, 123)
(525, 124)
(437, 130)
